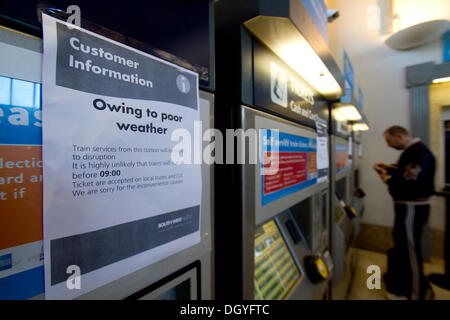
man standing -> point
(410, 183)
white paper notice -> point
(322, 152)
(114, 202)
(350, 150)
(350, 146)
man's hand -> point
(381, 169)
(385, 176)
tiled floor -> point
(359, 290)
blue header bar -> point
(284, 142)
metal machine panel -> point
(338, 253)
(342, 237)
(342, 155)
(312, 217)
(258, 213)
(356, 191)
(343, 223)
(342, 289)
(343, 187)
(181, 285)
(259, 120)
(343, 173)
(306, 289)
(252, 77)
(356, 154)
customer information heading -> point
(87, 65)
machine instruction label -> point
(342, 157)
(296, 165)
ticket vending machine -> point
(291, 208)
(183, 275)
(358, 192)
(344, 214)
(272, 215)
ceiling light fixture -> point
(349, 111)
(360, 126)
(441, 80)
(286, 41)
(418, 35)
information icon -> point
(183, 84)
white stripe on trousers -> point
(411, 210)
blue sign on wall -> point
(317, 10)
(347, 98)
(446, 46)
(5, 262)
(348, 72)
(361, 99)
(20, 128)
(22, 285)
(20, 112)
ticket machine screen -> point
(275, 270)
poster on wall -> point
(114, 199)
(21, 247)
(295, 167)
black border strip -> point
(22, 26)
